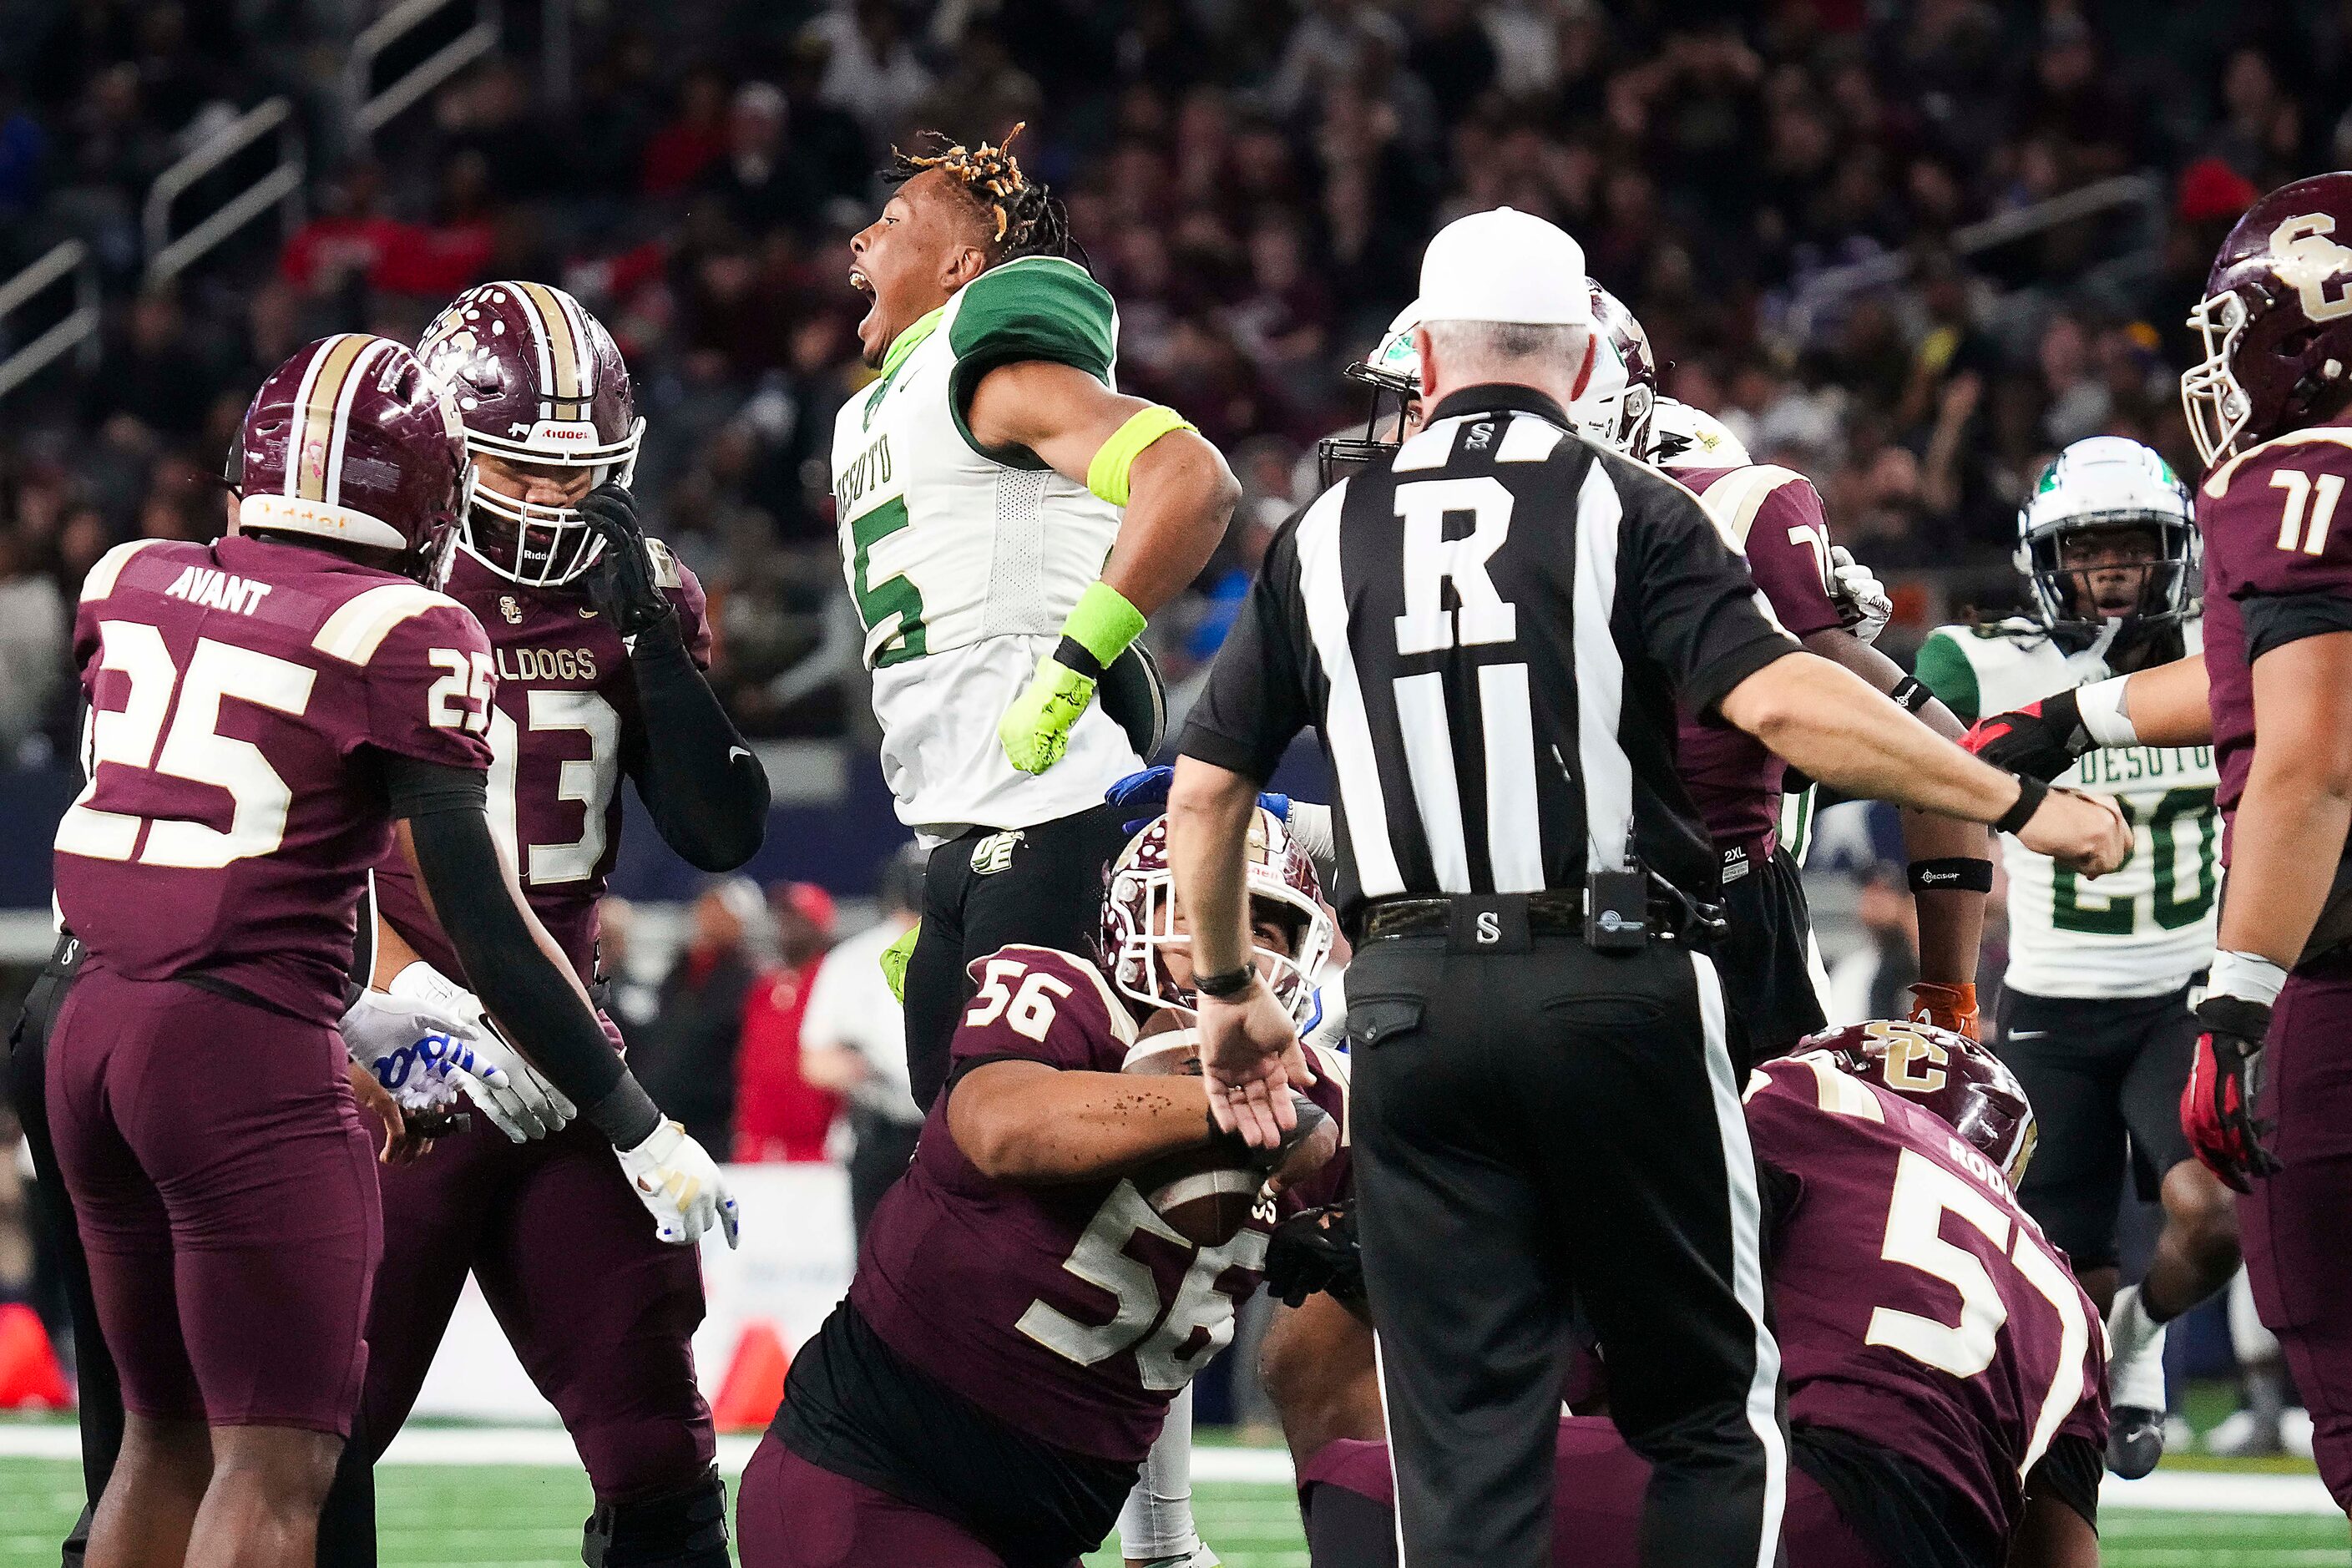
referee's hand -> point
(1250, 1053)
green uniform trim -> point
(1035, 308)
(1943, 668)
(1107, 475)
(902, 345)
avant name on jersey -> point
(2145, 928)
(964, 564)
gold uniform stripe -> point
(562, 342)
(310, 456)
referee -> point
(1490, 633)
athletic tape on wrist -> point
(2101, 705)
(1951, 874)
(1107, 475)
(2246, 975)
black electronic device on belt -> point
(1616, 911)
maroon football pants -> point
(1348, 1494)
(2294, 1223)
(600, 1312)
(789, 1513)
(225, 1193)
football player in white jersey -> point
(2095, 1015)
(1007, 521)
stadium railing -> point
(78, 328)
(373, 106)
(1827, 292)
(281, 188)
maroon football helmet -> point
(539, 381)
(1622, 394)
(1946, 1073)
(1139, 916)
(353, 440)
(2276, 319)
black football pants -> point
(347, 1522)
(1542, 1127)
(1765, 959)
(1041, 885)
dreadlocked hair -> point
(1028, 219)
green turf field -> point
(529, 1518)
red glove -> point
(1952, 1007)
(2040, 740)
(2217, 1104)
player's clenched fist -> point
(2084, 833)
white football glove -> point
(414, 1052)
(680, 1187)
(1859, 595)
(495, 1076)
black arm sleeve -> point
(518, 984)
(706, 792)
(2275, 620)
(2070, 1472)
(1257, 700)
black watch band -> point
(2031, 794)
(1224, 987)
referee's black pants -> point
(1041, 886)
(1532, 1128)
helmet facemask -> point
(2101, 487)
(1393, 371)
(2218, 407)
(1140, 926)
(536, 545)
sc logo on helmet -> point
(2308, 261)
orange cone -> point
(754, 1385)
(30, 1373)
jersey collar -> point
(908, 341)
(1489, 396)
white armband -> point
(2101, 704)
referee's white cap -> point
(1505, 266)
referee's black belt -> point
(1558, 911)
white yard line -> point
(2183, 1491)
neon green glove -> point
(1035, 731)
(894, 959)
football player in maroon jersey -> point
(2267, 1108)
(1022, 1315)
(1937, 1347)
(269, 715)
(599, 638)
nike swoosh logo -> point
(2029, 1034)
(735, 752)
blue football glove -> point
(1147, 792)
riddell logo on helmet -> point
(565, 432)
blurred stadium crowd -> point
(1906, 247)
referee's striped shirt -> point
(1490, 634)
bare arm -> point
(1249, 1045)
(2166, 704)
(2292, 818)
(1951, 921)
(1181, 493)
(1827, 723)
(1026, 1122)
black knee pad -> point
(684, 1528)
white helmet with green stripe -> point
(2109, 533)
